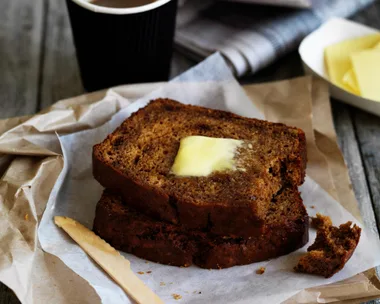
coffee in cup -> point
(121, 3)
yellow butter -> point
(377, 46)
(338, 60)
(366, 65)
(201, 155)
(349, 77)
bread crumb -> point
(146, 262)
(176, 296)
(149, 271)
(312, 207)
(331, 249)
(170, 283)
(26, 217)
(162, 284)
(321, 221)
(261, 270)
(140, 272)
(199, 292)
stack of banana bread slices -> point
(226, 218)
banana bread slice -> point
(126, 229)
(332, 248)
(136, 160)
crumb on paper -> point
(150, 271)
(320, 221)
(146, 262)
(199, 292)
(170, 283)
(162, 284)
(140, 272)
(312, 206)
(176, 296)
(261, 270)
(26, 217)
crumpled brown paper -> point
(30, 162)
(304, 102)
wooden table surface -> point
(38, 67)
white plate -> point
(312, 48)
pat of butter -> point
(349, 78)
(366, 65)
(338, 57)
(201, 155)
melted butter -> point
(201, 155)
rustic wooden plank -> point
(367, 129)
(368, 126)
(61, 78)
(368, 134)
(348, 143)
(21, 32)
(20, 39)
(350, 146)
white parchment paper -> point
(76, 193)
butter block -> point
(377, 46)
(338, 60)
(201, 155)
(366, 65)
(349, 77)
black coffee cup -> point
(122, 45)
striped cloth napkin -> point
(294, 3)
(251, 36)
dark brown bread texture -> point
(320, 221)
(135, 160)
(332, 248)
(286, 230)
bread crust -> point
(332, 248)
(128, 230)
